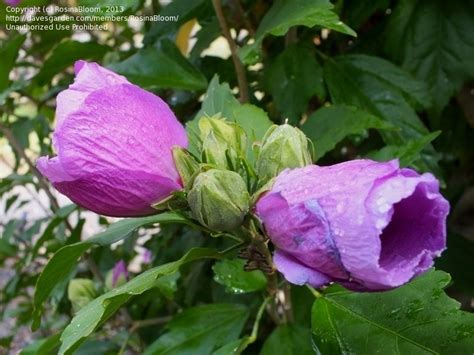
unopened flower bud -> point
(185, 163)
(223, 142)
(219, 199)
(80, 292)
(283, 147)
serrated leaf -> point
(407, 153)
(200, 330)
(65, 54)
(432, 39)
(99, 310)
(285, 14)
(379, 92)
(293, 78)
(231, 274)
(288, 339)
(161, 66)
(65, 259)
(329, 125)
(417, 318)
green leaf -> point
(285, 14)
(231, 274)
(407, 153)
(432, 39)
(99, 310)
(229, 349)
(383, 91)
(161, 66)
(417, 318)
(329, 125)
(288, 339)
(220, 100)
(187, 10)
(200, 330)
(16, 85)
(64, 261)
(8, 52)
(59, 217)
(293, 78)
(65, 54)
(357, 12)
(416, 92)
(48, 345)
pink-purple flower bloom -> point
(119, 271)
(13, 2)
(364, 224)
(113, 142)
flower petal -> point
(341, 191)
(297, 273)
(53, 169)
(411, 214)
(121, 127)
(303, 231)
(114, 143)
(89, 78)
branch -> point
(244, 18)
(239, 68)
(20, 151)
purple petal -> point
(411, 214)
(382, 224)
(297, 273)
(147, 256)
(89, 78)
(114, 143)
(13, 2)
(341, 191)
(120, 269)
(303, 231)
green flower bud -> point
(219, 199)
(80, 292)
(223, 142)
(283, 147)
(185, 163)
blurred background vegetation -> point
(403, 87)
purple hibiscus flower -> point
(113, 142)
(364, 224)
(119, 272)
(12, 2)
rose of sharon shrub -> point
(364, 224)
(113, 142)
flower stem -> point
(253, 336)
